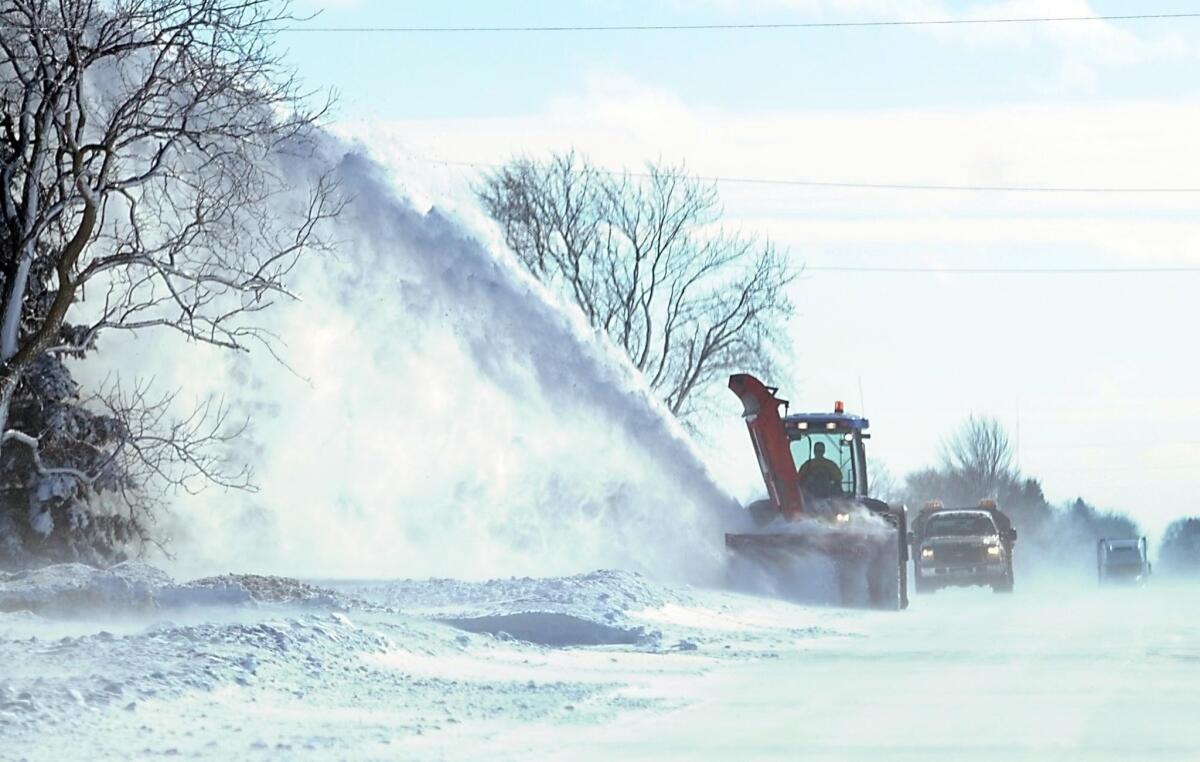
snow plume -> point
(445, 417)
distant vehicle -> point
(962, 547)
(1123, 561)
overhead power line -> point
(940, 187)
(681, 27)
(1114, 445)
(910, 270)
(896, 186)
(1003, 270)
(733, 27)
(1106, 469)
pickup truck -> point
(962, 547)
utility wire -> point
(898, 186)
(1113, 445)
(1003, 270)
(722, 27)
(909, 270)
(937, 187)
(675, 27)
(1106, 469)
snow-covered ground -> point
(130, 664)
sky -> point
(1095, 374)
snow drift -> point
(586, 609)
(583, 609)
(442, 415)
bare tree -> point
(883, 482)
(980, 456)
(138, 141)
(645, 260)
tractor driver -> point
(820, 475)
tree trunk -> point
(10, 323)
(9, 378)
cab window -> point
(837, 450)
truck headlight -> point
(842, 518)
(926, 554)
(994, 551)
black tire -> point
(922, 587)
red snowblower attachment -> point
(820, 539)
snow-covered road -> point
(262, 669)
(962, 675)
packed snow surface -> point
(271, 667)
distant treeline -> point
(978, 461)
(1180, 549)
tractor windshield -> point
(959, 525)
(825, 463)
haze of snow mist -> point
(445, 416)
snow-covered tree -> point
(136, 146)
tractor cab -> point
(828, 451)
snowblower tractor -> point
(818, 537)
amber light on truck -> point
(993, 550)
(926, 553)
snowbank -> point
(54, 679)
(584, 609)
(72, 588)
(253, 667)
(131, 587)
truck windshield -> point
(952, 525)
(1125, 555)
